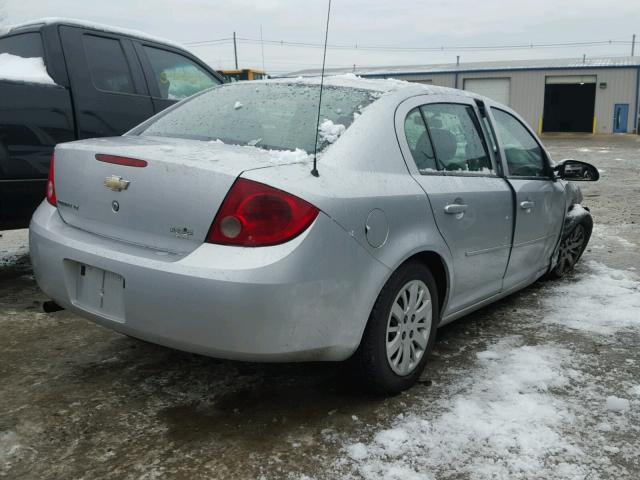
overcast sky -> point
(398, 23)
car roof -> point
(398, 88)
(89, 25)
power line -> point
(391, 48)
(207, 42)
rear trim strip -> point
(127, 162)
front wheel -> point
(571, 248)
(400, 332)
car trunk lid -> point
(167, 204)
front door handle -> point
(527, 205)
(455, 208)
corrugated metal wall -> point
(527, 91)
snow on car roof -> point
(349, 80)
(93, 26)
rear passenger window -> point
(419, 143)
(108, 65)
(457, 138)
(177, 77)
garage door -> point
(497, 89)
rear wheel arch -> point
(436, 264)
(438, 267)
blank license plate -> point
(100, 291)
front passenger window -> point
(523, 154)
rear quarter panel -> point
(362, 172)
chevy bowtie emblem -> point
(116, 183)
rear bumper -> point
(308, 299)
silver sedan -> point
(203, 229)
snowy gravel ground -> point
(14, 246)
(544, 384)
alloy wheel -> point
(571, 249)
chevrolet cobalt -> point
(203, 229)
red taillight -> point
(256, 215)
(126, 161)
(51, 186)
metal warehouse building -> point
(594, 95)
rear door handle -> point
(455, 208)
(527, 205)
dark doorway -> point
(569, 107)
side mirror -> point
(577, 171)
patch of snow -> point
(288, 156)
(379, 85)
(488, 355)
(504, 424)
(635, 390)
(330, 132)
(27, 70)
(603, 300)
(357, 451)
(617, 404)
(608, 233)
(14, 244)
(8, 445)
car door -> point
(446, 151)
(172, 75)
(107, 84)
(540, 200)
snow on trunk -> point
(26, 70)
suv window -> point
(177, 77)
(523, 154)
(457, 138)
(25, 45)
(419, 143)
(108, 65)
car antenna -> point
(315, 172)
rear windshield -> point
(275, 116)
(25, 45)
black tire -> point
(370, 362)
(569, 256)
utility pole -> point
(633, 44)
(264, 70)
(235, 49)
